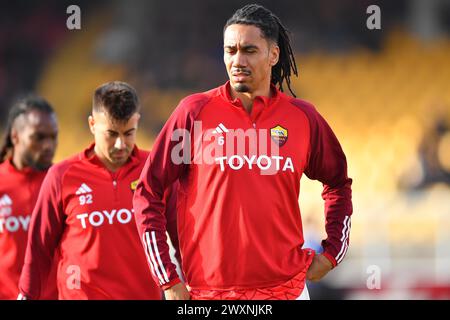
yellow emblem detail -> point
(134, 185)
(279, 135)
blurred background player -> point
(84, 210)
(229, 209)
(26, 154)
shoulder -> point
(3, 167)
(58, 170)
(142, 155)
(195, 102)
(309, 110)
(195, 99)
(306, 107)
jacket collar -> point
(25, 171)
(225, 92)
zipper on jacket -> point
(114, 178)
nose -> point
(120, 143)
(239, 60)
(49, 144)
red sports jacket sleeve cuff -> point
(330, 258)
(171, 283)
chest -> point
(269, 140)
(18, 195)
(99, 199)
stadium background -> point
(385, 93)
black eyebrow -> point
(245, 47)
(128, 131)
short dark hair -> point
(271, 28)
(21, 106)
(117, 99)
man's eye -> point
(38, 137)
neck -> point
(110, 166)
(248, 97)
(17, 162)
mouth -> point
(119, 154)
(240, 75)
(47, 156)
(240, 78)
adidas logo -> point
(5, 201)
(5, 207)
(220, 129)
(83, 189)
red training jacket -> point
(239, 219)
(18, 194)
(85, 212)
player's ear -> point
(274, 54)
(135, 119)
(14, 136)
(91, 122)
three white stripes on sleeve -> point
(157, 266)
(154, 258)
(344, 239)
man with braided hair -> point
(239, 152)
(26, 154)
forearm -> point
(151, 223)
(338, 212)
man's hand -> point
(21, 297)
(177, 292)
(319, 267)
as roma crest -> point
(279, 135)
(133, 185)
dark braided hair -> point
(22, 106)
(273, 29)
